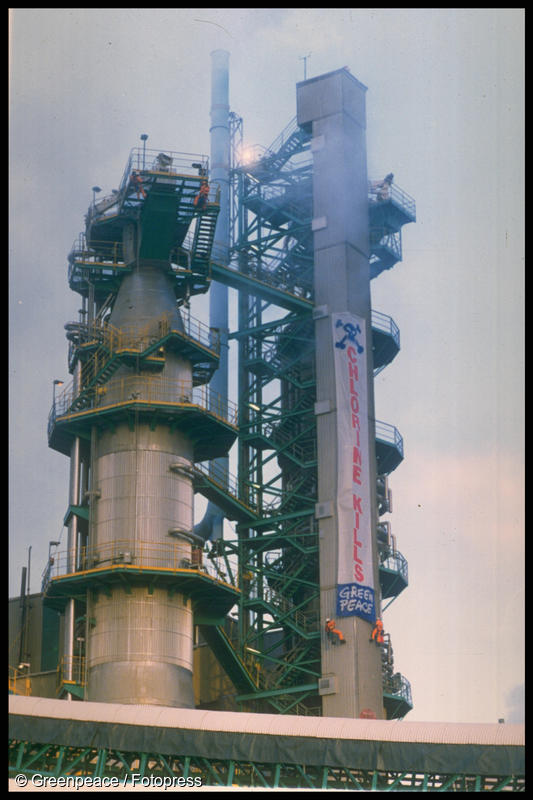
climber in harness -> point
(377, 633)
(334, 634)
(200, 201)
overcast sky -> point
(445, 114)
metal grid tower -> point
(288, 287)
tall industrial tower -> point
(134, 421)
(310, 232)
(147, 422)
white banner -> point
(355, 574)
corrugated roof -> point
(271, 724)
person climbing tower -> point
(334, 634)
(377, 633)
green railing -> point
(396, 562)
(227, 483)
(398, 686)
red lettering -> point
(357, 504)
(354, 403)
(356, 545)
(359, 575)
(352, 355)
(353, 371)
(356, 476)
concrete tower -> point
(332, 108)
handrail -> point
(306, 621)
(389, 435)
(151, 390)
(261, 272)
(147, 159)
(99, 252)
(395, 561)
(15, 676)
(226, 481)
(139, 340)
(71, 669)
(378, 192)
(399, 687)
(290, 128)
(144, 555)
(385, 323)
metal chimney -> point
(211, 526)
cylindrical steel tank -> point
(140, 638)
(140, 648)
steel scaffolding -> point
(272, 267)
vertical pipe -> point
(211, 527)
(220, 160)
(23, 605)
(72, 539)
(219, 176)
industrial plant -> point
(264, 617)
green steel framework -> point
(53, 760)
(277, 548)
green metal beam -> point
(259, 288)
(59, 760)
(306, 687)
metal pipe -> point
(72, 542)
(211, 526)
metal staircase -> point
(234, 667)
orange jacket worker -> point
(333, 632)
(200, 201)
(377, 632)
